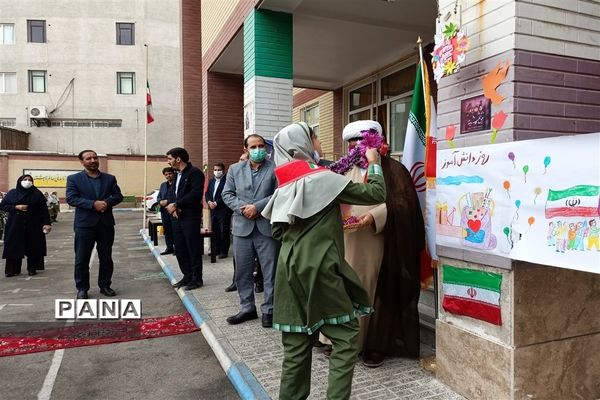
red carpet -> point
(80, 334)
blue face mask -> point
(258, 155)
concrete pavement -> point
(251, 355)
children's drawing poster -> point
(534, 200)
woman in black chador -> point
(28, 222)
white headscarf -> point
(308, 195)
(354, 129)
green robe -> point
(314, 285)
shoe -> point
(222, 256)
(82, 294)
(11, 275)
(231, 288)
(267, 320)
(108, 292)
(242, 317)
(181, 283)
(167, 251)
(373, 359)
(32, 273)
(193, 285)
(259, 288)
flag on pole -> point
(149, 117)
(419, 158)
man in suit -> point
(93, 194)
(163, 201)
(249, 186)
(220, 214)
(186, 213)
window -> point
(310, 115)
(125, 82)
(7, 33)
(125, 33)
(398, 83)
(8, 82)
(8, 122)
(81, 123)
(37, 81)
(362, 97)
(36, 31)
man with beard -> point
(385, 252)
(93, 194)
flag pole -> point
(427, 103)
(145, 143)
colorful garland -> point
(356, 156)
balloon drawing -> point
(511, 157)
(547, 160)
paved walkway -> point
(256, 352)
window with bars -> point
(8, 122)
(310, 115)
(125, 33)
(36, 31)
(80, 123)
(125, 82)
(7, 33)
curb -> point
(238, 373)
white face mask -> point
(218, 174)
(26, 184)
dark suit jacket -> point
(188, 197)
(221, 208)
(81, 194)
(239, 190)
(163, 192)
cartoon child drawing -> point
(593, 235)
(550, 235)
(571, 236)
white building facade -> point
(73, 74)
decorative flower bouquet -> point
(356, 156)
(351, 223)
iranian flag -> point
(418, 157)
(576, 201)
(149, 117)
(472, 293)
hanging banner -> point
(534, 200)
(451, 45)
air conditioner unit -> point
(38, 112)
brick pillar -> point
(191, 78)
(223, 119)
(339, 148)
(4, 184)
(268, 80)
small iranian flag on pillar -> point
(472, 293)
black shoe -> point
(231, 288)
(82, 294)
(32, 273)
(242, 317)
(11, 275)
(167, 251)
(108, 292)
(181, 283)
(267, 320)
(193, 285)
(259, 288)
(222, 256)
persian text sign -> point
(534, 200)
(50, 178)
